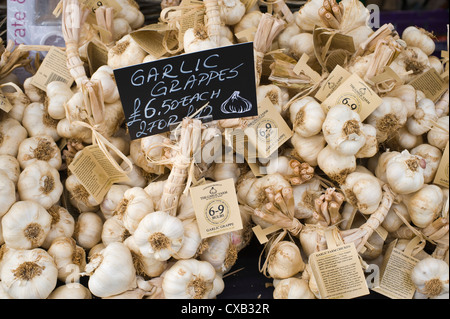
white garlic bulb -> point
(88, 229)
(292, 288)
(432, 156)
(405, 173)
(284, 260)
(39, 148)
(111, 271)
(126, 52)
(192, 240)
(26, 225)
(105, 75)
(71, 291)
(335, 165)
(192, 279)
(7, 193)
(425, 205)
(79, 196)
(308, 148)
(37, 121)
(63, 225)
(69, 258)
(382, 163)
(424, 117)
(29, 274)
(231, 11)
(301, 43)
(160, 235)
(220, 253)
(370, 149)
(197, 39)
(406, 93)
(58, 94)
(420, 38)
(10, 166)
(12, 133)
(112, 199)
(439, 134)
(392, 222)
(145, 266)
(430, 276)
(113, 230)
(307, 116)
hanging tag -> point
(5, 105)
(247, 35)
(96, 172)
(443, 169)
(97, 56)
(396, 270)
(387, 75)
(216, 208)
(150, 38)
(303, 67)
(93, 5)
(338, 273)
(261, 234)
(431, 84)
(334, 80)
(53, 68)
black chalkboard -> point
(158, 94)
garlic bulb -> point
(342, 130)
(29, 274)
(284, 38)
(392, 222)
(105, 75)
(71, 291)
(308, 148)
(371, 147)
(439, 134)
(411, 62)
(25, 225)
(231, 11)
(58, 93)
(405, 173)
(19, 102)
(41, 183)
(160, 235)
(126, 52)
(12, 133)
(133, 207)
(390, 116)
(423, 119)
(420, 38)
(249, 20)
(430, 276)
(63, 225)
(284, 260)
(192, 279)
(404, 140)
(382, 163)
(37, 121)
(293, 288)
(113, 231)
(406, 93)
(34, 93)
(192, 243)
(10, 166)
(363, 191)
(88, 229)
(301, 43)
(197, 39)
(145, 266)
(69, 258)
(360, 35)
(7, 193)
(131, 13)
(277, 95)
(436, 64)
(220, 253)
(307, 117)
(104, 278)
(79, 196)
(39, 148)
(72, 131)
(112, 199)
(432, 156)
(425, 205)
(304, 197)
(335, 165)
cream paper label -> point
(96, 172)
(443, 169)
(334, 80)
(261, 234)
(431, 84)
(216, 208)
(97, 55)
(396, 271)
(357, 95)
(53, 68)
(5, 105)
(339, 273)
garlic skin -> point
(430, 276)
(404, 173)
(71, 291)
(293, 288)
(192, 279)
(277, 95)
(411, 62)
(19, 102)
(7, 193)
(432, 156)
(71, 131)
(197, 39)
(131, 13)
(192, 240)
(285, 260)
(363, 191)
(58, 93)
(112, 199)
(79, 196)
(406, 93)
(439, 134)
(249, 20)
(420, 38)
(10, 166)
(34, 93)
(105, 75)
(12, 133)
(111, 271)
(342, 130)
(388, 118)
(29, 274)
(113, 231)
(231, 11)
(69, 258)
(145, 266)
(371, 147)
(220, 253)
(25, 225)
(335, 165)
(424, 117)
(159, 235)
(39, 148)
(436, 64)
(392, 222)
(63, 225)
(126, 52)
(41, 183)
(383, 160)
(88, 229)
(37, 121)
(425, 205)
(304, 196)
(307, 117)
(308, 148)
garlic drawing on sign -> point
(236, 104)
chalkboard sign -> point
(155, 95)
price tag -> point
(334, 80)
(443, 169)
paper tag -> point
(97, 55)
(387, 75)
(338, 273)
(303, 67)
(53, 68)
(261, 234)
(396, 280)
(95, 172)
(356, 94)
(150, 38)
(443, 169)
(216, 208)
(431, 84)
(5, 105)
(334, 80)
(268, 131)
(93, 5)
(246, 35)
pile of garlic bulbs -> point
(142, 240)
